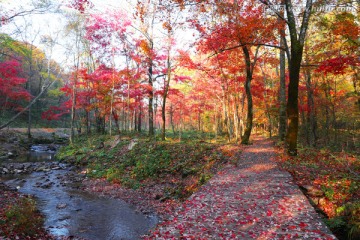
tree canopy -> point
(127, 68)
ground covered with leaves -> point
(19, 217)
(331, 180)
(253, 200)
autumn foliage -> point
(12, 89)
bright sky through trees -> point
(34, 27)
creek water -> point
(70, 211)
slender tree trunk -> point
(229, 119)
(249, 121)
(163, 116)
(29, 123)
(172, 119)
(166, 90)
(139, 119)
(311, 117)
(267, 107)
(335, 125)
(31, 74)
(87, 121)
(73, 104)
(237, 119)
(282, 94)
(199, 120)
(150, 107)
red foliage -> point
(107, 33)
(55, 113)
(338, 65)
(12, 85)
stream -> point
(68, 210)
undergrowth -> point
(182, 165)
(337, 175)
(20, 219)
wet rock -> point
(47, 186)
(43, 169)
(5, 170)
(61, 206)
(11, 155)
(37, 184)
(64, 218)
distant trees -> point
(17, 91)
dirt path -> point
(255, 200)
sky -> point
(32, 28)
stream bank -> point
(68, 210)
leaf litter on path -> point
(255, 200)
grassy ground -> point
(334, 180)
(180, 166)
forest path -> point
(254, 200)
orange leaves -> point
(144, 46)
(346, 26)
(167, 26)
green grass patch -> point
(185, 164)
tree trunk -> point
(73, 104)
(29, 123)
(163, 116)
(237, 120)
(150, 107)
(88, 124)
(311, 118)
(166, 90)
(139, 119)
(282, 94)
(249, 121)
(199, 121)
(297, 46)
(292, 107)
(172, 119)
